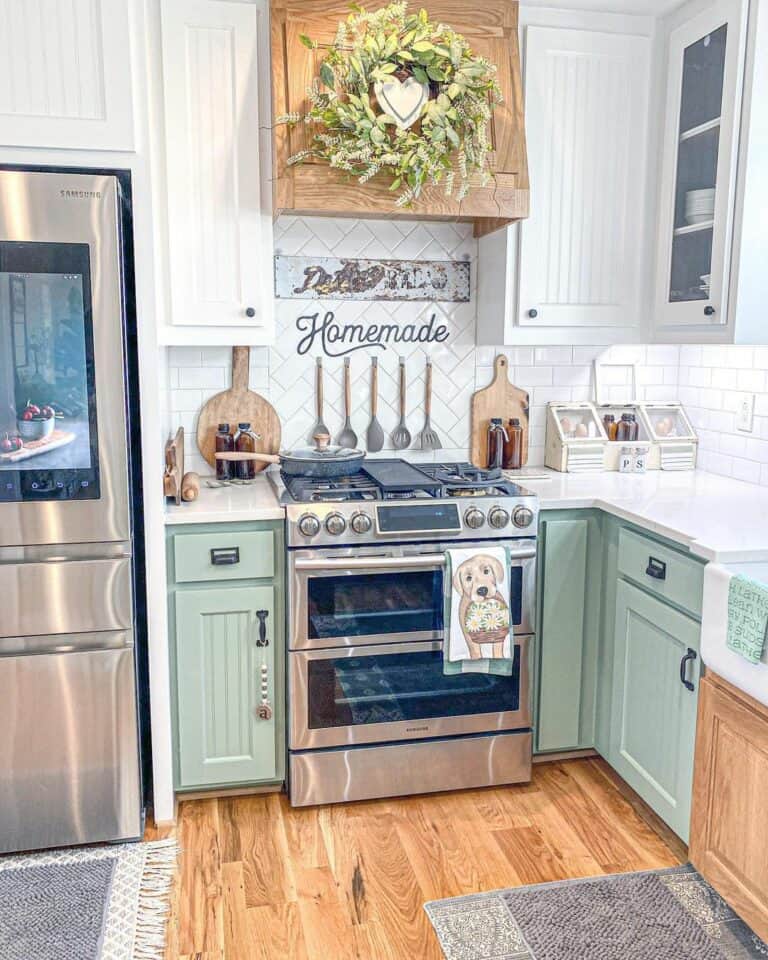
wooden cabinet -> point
(65, 75)
(569, 621)
(226, 653)
(219, 670)
(656, 670)
(313, 188)
(576, 263)
(729, 830)
(698, 182)
(215, 64)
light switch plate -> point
(745, 414)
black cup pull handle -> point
(263, 640)
(690, 656)
(225, 556)
(656, 569)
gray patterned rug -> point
(662, 914)
(87, 903)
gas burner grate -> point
(319, 490)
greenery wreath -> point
(400, 95)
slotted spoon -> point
(401, 438)
(375, 435)
(319, 426)
(428, 438)
(347, 437)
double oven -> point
(372, 710)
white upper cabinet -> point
(65, 74)
(219, 228)
(578, 266)
(698, 180)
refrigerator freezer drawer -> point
(65, 596)
(69, 756)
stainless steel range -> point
(372, 713)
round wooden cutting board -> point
(239, 404)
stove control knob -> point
(361, 522)
(522, 517)
(309, 525)
(335, 524)
(498, 518)
(474, 518)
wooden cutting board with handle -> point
(239, 404)
(499, 399)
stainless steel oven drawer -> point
(400, 769)
(65, 596)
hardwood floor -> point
(259, 880)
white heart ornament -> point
(402, 101)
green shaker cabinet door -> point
(220, 667)
(653, 723)
(568, 634)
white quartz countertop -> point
(717, 518)
(253, 501)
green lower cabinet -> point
(221, 738)
(568, 634)
(653, 714)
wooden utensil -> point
(401, 438)
(319, 426)
(190, 486)
(428, 438)
(347, 437)
(499, 399)
(239, 404)
(174, 466)
(375, 435)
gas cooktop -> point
(393, 499)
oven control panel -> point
(330, 524)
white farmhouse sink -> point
(751, 678)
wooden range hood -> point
(314, 188)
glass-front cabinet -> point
(698, 179)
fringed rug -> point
(668, 914)
(87, 903)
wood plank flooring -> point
(259, 880)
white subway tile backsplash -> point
(204, 377)
(545, 355)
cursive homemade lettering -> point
(336, 340)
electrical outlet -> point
(745, 414)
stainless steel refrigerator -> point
(69, 739)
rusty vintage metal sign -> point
(315, 278)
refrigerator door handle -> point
(58, 643)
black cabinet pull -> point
(690, 656)
(225, 556)
(262, 641)
(709, 311)
(656, 569)
(533, 314)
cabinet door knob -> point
(709, 311)
(250, 312)
(533, 313)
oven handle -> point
(391, 563)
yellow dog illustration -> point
(483, 611)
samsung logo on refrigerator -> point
(80, 194)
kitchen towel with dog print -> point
(477, 621)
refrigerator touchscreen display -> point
(48, 438)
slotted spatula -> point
(375, 435)
(428, 438)
(319, 426)
(401, 438)
(347, 437)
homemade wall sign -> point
(312, 278)
(321, 333)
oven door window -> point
(48, 440)
(375, 604)
(403, 687)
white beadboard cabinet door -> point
(65, 74)
(581, 250)
(218, 231)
